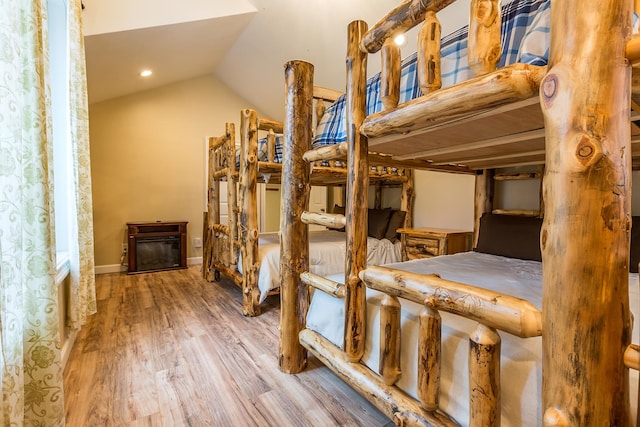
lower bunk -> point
(326, 256)
(450, 340)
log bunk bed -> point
(572, 116)
(233, 249)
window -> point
(59, 84)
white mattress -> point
(327, 251)
(521, 372)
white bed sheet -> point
(327, 251)
(521, 366)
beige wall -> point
(446, 200)
(147, 158)
(272, 207)
(526, 194)
(443, 200)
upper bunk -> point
(460, 102)
(259, 153)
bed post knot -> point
(549, 88)
(554, 418)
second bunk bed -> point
(548, 340)
(238, 250)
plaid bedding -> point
(525, 39)
(262, 150)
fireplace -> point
(155, 246)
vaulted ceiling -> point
(243, 43)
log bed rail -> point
(512, 315)
(571, 116)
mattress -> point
(327, 251)
(525, 39)
(521, 366)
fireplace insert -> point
(155, 246)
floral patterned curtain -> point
(31, 368)
(32, 392)
(83, 296)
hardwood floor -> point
(170, 349)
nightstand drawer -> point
(414, 252)
(423, 246)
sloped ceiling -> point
(283, 30)
(177, 41)
(244, 43)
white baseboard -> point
(195, 260)
(112, 268)
(66, 348)
(117, 268)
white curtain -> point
(31, 370)
(82, 299)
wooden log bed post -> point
(214, 212)
(390, 339)
(390, 74)
(484, 36)
(585, 234)
(294, 239)
(249, 212)
(429, 61)
(407, 198)
(429, 356)
(357, 188)
(232, 196)
(209, 254)
(485, 186)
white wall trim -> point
(66, 348)
(111, 268)
(63, 269)
(194, 260)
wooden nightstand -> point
(430, 242)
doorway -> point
(269, 206)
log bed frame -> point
(223, 244)
(573, 117)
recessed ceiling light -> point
(400, 40)
(146, 73)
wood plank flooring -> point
(170, 349)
